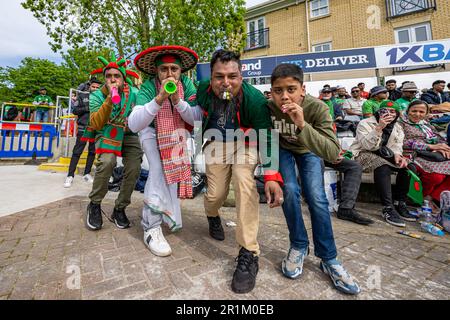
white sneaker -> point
(88, 178)
(68, 182)
(155, 241)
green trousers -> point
(132, 158)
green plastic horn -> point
(170, 87)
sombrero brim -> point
(145, 61)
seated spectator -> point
(353, 105)
(333, 106)
(436, 95)
(364, 94)
(409, 91)
(377, 95)
(10, 112)
(268, 95)
(378, 148)
(429, 151)
(394, 93)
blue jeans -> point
(41, 116)
(311, 175)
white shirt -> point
(354, 104)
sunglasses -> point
(355, 91)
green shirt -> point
(148, 92)
(370, 106)
(43, 98)
(317, 136)
(404, 103)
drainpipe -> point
(307, 31)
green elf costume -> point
(108, 127)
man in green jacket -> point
(306, 135)
(377, 95)
(235, 110)
(409, 91)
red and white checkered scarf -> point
(171, 138)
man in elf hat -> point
(108, 127)
(163, 118)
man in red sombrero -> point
(163, 117)
(108, 128)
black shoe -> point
(94, 220)
(120, 218)
(352, 215)
(244, 277)
(392, 217)
(404, 212)
(215, 228)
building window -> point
(321, 47)
(397, 8)
(319, 8)
(415, 33)
(258, 35)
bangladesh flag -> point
(415, 188)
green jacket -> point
(317, 136)
(252, 113)
(404, 103)
(108, 121)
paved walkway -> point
(47, 253)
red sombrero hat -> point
(145, 61)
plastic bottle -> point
(430, 228)
(427, 212)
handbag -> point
(431, 156)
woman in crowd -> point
(428, 150)
(378, 148)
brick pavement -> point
(47, 253)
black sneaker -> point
(404, 212)
(120, 218)
(244, 277)
(215, 228)
(392, 217)
(352, 215)
(94, 220)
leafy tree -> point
(22, 83)
(130, 26)
(80, 62)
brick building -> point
(284, 27)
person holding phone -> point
(379, 149)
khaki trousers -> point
(233, 161)
(132, 158)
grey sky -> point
(23, 36)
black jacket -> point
(431, 97)
(395, 94)
(81, 109)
